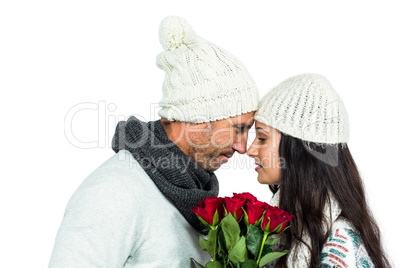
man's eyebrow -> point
(245, 125)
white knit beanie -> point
(306, 107)
(203, 82)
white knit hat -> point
(203, 82)
(306, 107)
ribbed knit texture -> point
(203, 82)
(181, 180)
(306, 107)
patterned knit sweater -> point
(344, 248)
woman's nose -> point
(251, 151)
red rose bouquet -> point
(240, 230)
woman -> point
(301, 151)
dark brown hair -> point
(309, 173)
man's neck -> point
(176, 133)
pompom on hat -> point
(203, 82)
(306, 107)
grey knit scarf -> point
(179, 179)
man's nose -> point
(240, 146)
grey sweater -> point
(119, 218)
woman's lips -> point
(258, 167)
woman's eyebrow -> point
(259, 129)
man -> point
(135, 209)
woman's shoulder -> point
(344, 248)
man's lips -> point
(225, 157)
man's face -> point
(212, 144)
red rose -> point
(275, 217)
(262, 204)
(206, 209)
(247, 196)
(235, 206)
(255, 210)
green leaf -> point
(245, 216)
(271, 241)
(231, 231)
(216, 218)
(276, 231)
(246, 220)
(285, 229)
(266, 249)
(210, 244)
(258, 223)
(271, 257)
(203, 243)
(254, 240)
(221, 245)
(268, 245)
(249, 264)
(239, 252)
(203, 221)
(195, 264)
(214, 264)
(267, 227)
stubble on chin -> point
(205, 160)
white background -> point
(55, 55)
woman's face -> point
(265, 151)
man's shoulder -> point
(122, 161)
(120, 168)
(121, 174)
